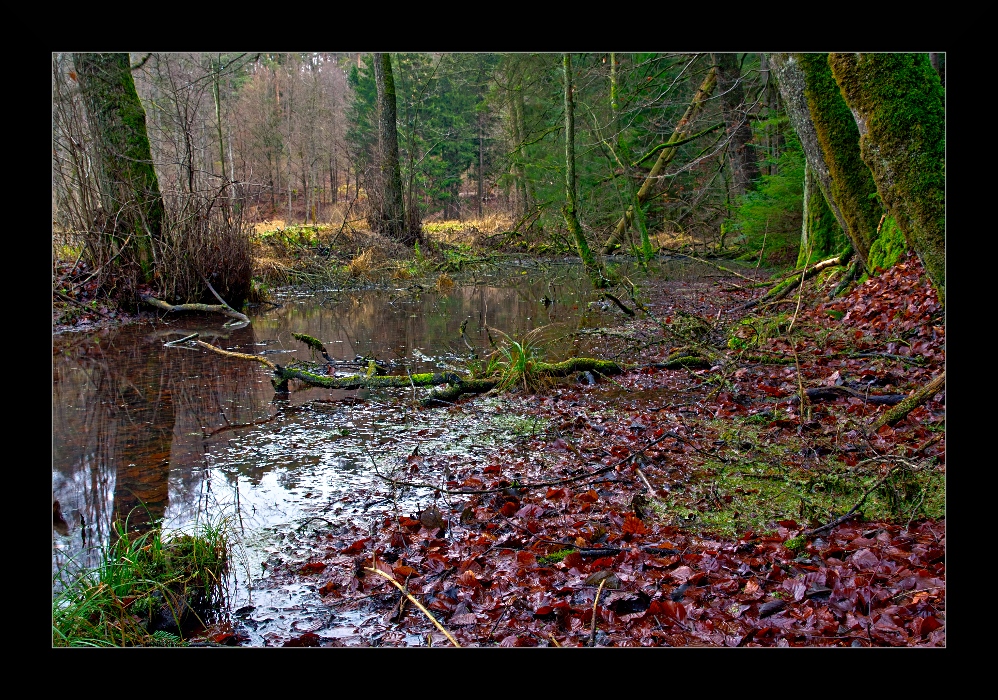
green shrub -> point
(774, 211)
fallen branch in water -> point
(222, 308)
(238, 355)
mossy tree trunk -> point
(571, 205)
(821, 235)
(129, 188)
(389, 218)
(898, 103)
(830, 139)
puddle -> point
(182, 435)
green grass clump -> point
(554, 557)
(141, 585)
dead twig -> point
(415, 602)
(592, 633)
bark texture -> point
(745, 167)
(389, 217)
(129, 189)
(898, 103)
(830, 139)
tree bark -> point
(821, 235)
(390, 218)
(128, 185)
(916, 399)
(745, 168)
(830, 139)
(665, 156)
(898, 103)
(571, 206)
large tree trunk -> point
(745, 168)
(389, 219)
(665, 156)
(571, 206)
(821, 235)
(898, 103)
(830, 139)
(129, 189)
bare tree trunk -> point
(745, 168)
(216, 93)
(481, 163)
(527, 189)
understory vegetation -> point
(149, 589)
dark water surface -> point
(185, 435)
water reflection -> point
(146, 432)
(128, 421)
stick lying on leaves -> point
(415, 602)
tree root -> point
(784, 286)
(830, 393)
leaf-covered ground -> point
(682, 507)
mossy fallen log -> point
(458, 389)
(912, 402)
(577, 364)
(359, 381)
(688, 358)
(458, 385)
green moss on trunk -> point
(129, 188)
(889, 247)
(852, 184)
(898, 103)
(822, 234)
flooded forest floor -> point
(691, 506)
(697, 505)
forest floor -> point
(682, 507)
(659, 507)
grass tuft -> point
(144, 585)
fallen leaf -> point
(634, 526)
(681, 573)
(772, 607)
(356, 547)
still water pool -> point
(169, 433)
